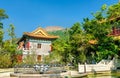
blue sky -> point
(27, 15)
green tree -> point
(99, 28)
(5, 61)
(11, 33)
(60, 52)
(114, 11)
(10, 46)
(70, 49)
(77, 47)
(2, 16)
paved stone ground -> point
(68, 74)
(5, 73)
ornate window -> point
(38, 45)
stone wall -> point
(104, 65)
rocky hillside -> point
(56, 30)
(53, 28)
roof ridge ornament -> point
(39, 31)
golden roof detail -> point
(40, 33)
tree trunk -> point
(85, 67)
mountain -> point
(53, 28)
(56, 30)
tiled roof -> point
(40, 33)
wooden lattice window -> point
(38, 45)
(39, 58)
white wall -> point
(44, 50)
(101, 66)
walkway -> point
(5, 73)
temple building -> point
(38, 42)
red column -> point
(28, 45)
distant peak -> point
(53, 28)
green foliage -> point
(104, 7)
(73, 45)
(11, 32)
(30, 59)
(82, 57)
(114, 11)
(76, 47)
(5, 61)
(18, 52)
(59, 49)
(75, 29)
(99, 29)
(2, 16)
(1, 33)
(66, 50)
(10, 46)
(60, 33)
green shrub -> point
(30, 59)
(5, 61)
